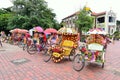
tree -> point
(5, 15)
(22, 22)
(27, 14)
(37, 11)
(116, 35)
(118, 25)
(84, 21)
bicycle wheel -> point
(72, 54)
(44, 51)
(20, 44)
(78, 62)
(32, 49)
(25, 46)
(45, 48)
(47, 56)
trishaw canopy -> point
(96, 31)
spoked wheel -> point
(20, 44)
(72, 54)
(45, 49)
(32, 49)
(78, 62)
(47, 56)
(25, 47)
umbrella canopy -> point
(50, 30)
(67, 30)
(38, 29)
(23, 31)
(96, 31)
(16, 30)
(11, 31)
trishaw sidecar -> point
(66, 47)
(94, 51)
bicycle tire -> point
(20, 44)
(72, 54)
(25, 47)
(32, 49)
(48, 56)
(80, 60)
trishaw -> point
(35, 45)
(66, 48)
(93, 51)
(17, 36)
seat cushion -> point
(67, 51)
(68, 43)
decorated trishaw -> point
(17, 36)
(66, 48)
(35, 45)
(93, 51)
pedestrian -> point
(113, 39)
(0, 41)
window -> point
(112, 31)
(111, 19)
(101, 20)
(103, 29)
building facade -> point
(69, 21)
(104, 20)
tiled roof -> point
(71, 15)
(93, 14)
(98, 14)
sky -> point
(64, 8)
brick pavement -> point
(37, 69)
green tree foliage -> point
(118, 25)
(27, 14)
(118, 22)
(5, 15)
(37, 13)
(17, 22)
(84, 21)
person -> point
(47, 36)
(58, 41)
(3, 36)
(27, 36)
(42, 38)
(53, 38)
(36, 38)
(0, 40)
(112, 39)
(42, 41)
(15, 37)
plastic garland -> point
(57, 59)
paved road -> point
(36, 69)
